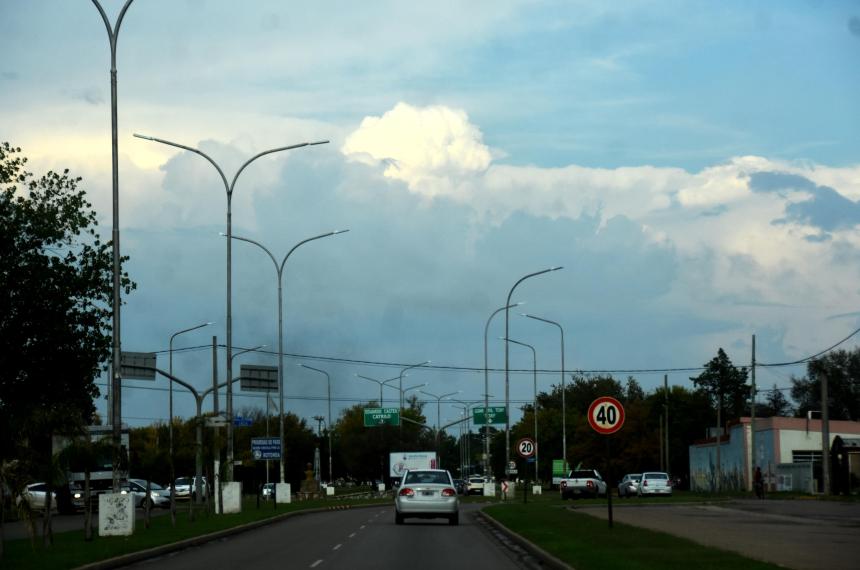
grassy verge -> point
(70, 550)
(587, 543)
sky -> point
(692, 166)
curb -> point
(544, 558)
(132, 557)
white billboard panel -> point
(399, 463)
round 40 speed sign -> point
(606, 415)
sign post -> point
(526, 448)
(606, 416)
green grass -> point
(70, 550)
(587, 543)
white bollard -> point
(116, 514)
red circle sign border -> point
(534, 447)
(606, 400)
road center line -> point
(317, 563)
(361, 527)
(352, 535)
(337, 546)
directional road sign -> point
(381, 417)
(490, 415)
(239, 421)
(265, 448)
(526, 447)
(129, 362)
(258, 378)
(606, 415)
(216, 421)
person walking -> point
(758, 483)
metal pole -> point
(229, 187)
(487, 391)
(825, 435)
(752, 419)
(666, 414)
(328, 383)
(534, 401)
(400, 377)
(116, 378)
(563, 392)
(507, 363)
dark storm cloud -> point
(827, 209)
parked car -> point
(475, 486)
(629, 485)
(427, 493)
(35, 494)
(158, 495)
(268, 491)
(186, 488)
(655, 483)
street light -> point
(534, 401)
(563, 406)
(467, 409)
(328, 382)
(402, 391)
(439, 403)
(116, 378)
(170, 407)
(279, 270)
(487, 391)
(507, 361)
(381, 384)
(228, 187)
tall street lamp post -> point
(279, 271)
(116, 378)
(170, 414)
(487, 391)
(467, 412)
(328, 422)
(229, 187)
(507, 361)
(563, 406)
(439, 404)
(381, 384)
(534, 400)
(400, 376)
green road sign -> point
(496, 415)
(559, 469)
(381, 417)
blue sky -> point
(692, 165)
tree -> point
(776, 404)
(55, 309)
(842, 370)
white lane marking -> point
(352, 535)
(336, 547)
(361, 527)
(317, 563)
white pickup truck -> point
(585, 483)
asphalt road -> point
(800, 534)
(357, 539)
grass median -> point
(70, 550)
(586, 543)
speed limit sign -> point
(606, 415)
(526, 447)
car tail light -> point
(645, 483)
(589, 484)
(563, 484)
(406, 492)
(449, 492)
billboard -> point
(399, 463)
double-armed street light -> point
(279, 271)
(507, 360)
(563, 405)
(402, 391)
(381, 384)
(328, 383)
(229, 187)
(170, 413)
(439, 403)
(534, 401)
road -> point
(357, 539)
(800, 534)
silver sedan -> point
(427, 493)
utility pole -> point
(660, 437)
(666, 416)
(752, 418)
(825, 436)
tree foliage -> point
(724, 384)
(56, 277)
(842, 370)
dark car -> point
(460, 485)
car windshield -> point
(436, 477)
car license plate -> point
(427, 493)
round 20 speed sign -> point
(606, 415)
(526, 447)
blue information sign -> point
(239, 421)
(265, 448)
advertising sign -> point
(399, 463)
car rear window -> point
(436, 477)
(656, 476)
(583, 474)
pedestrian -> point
(758, 483)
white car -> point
(427, 494)
(475, 485)
(35, 494)
(186, 488)
(655, 483)
(158, 495)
